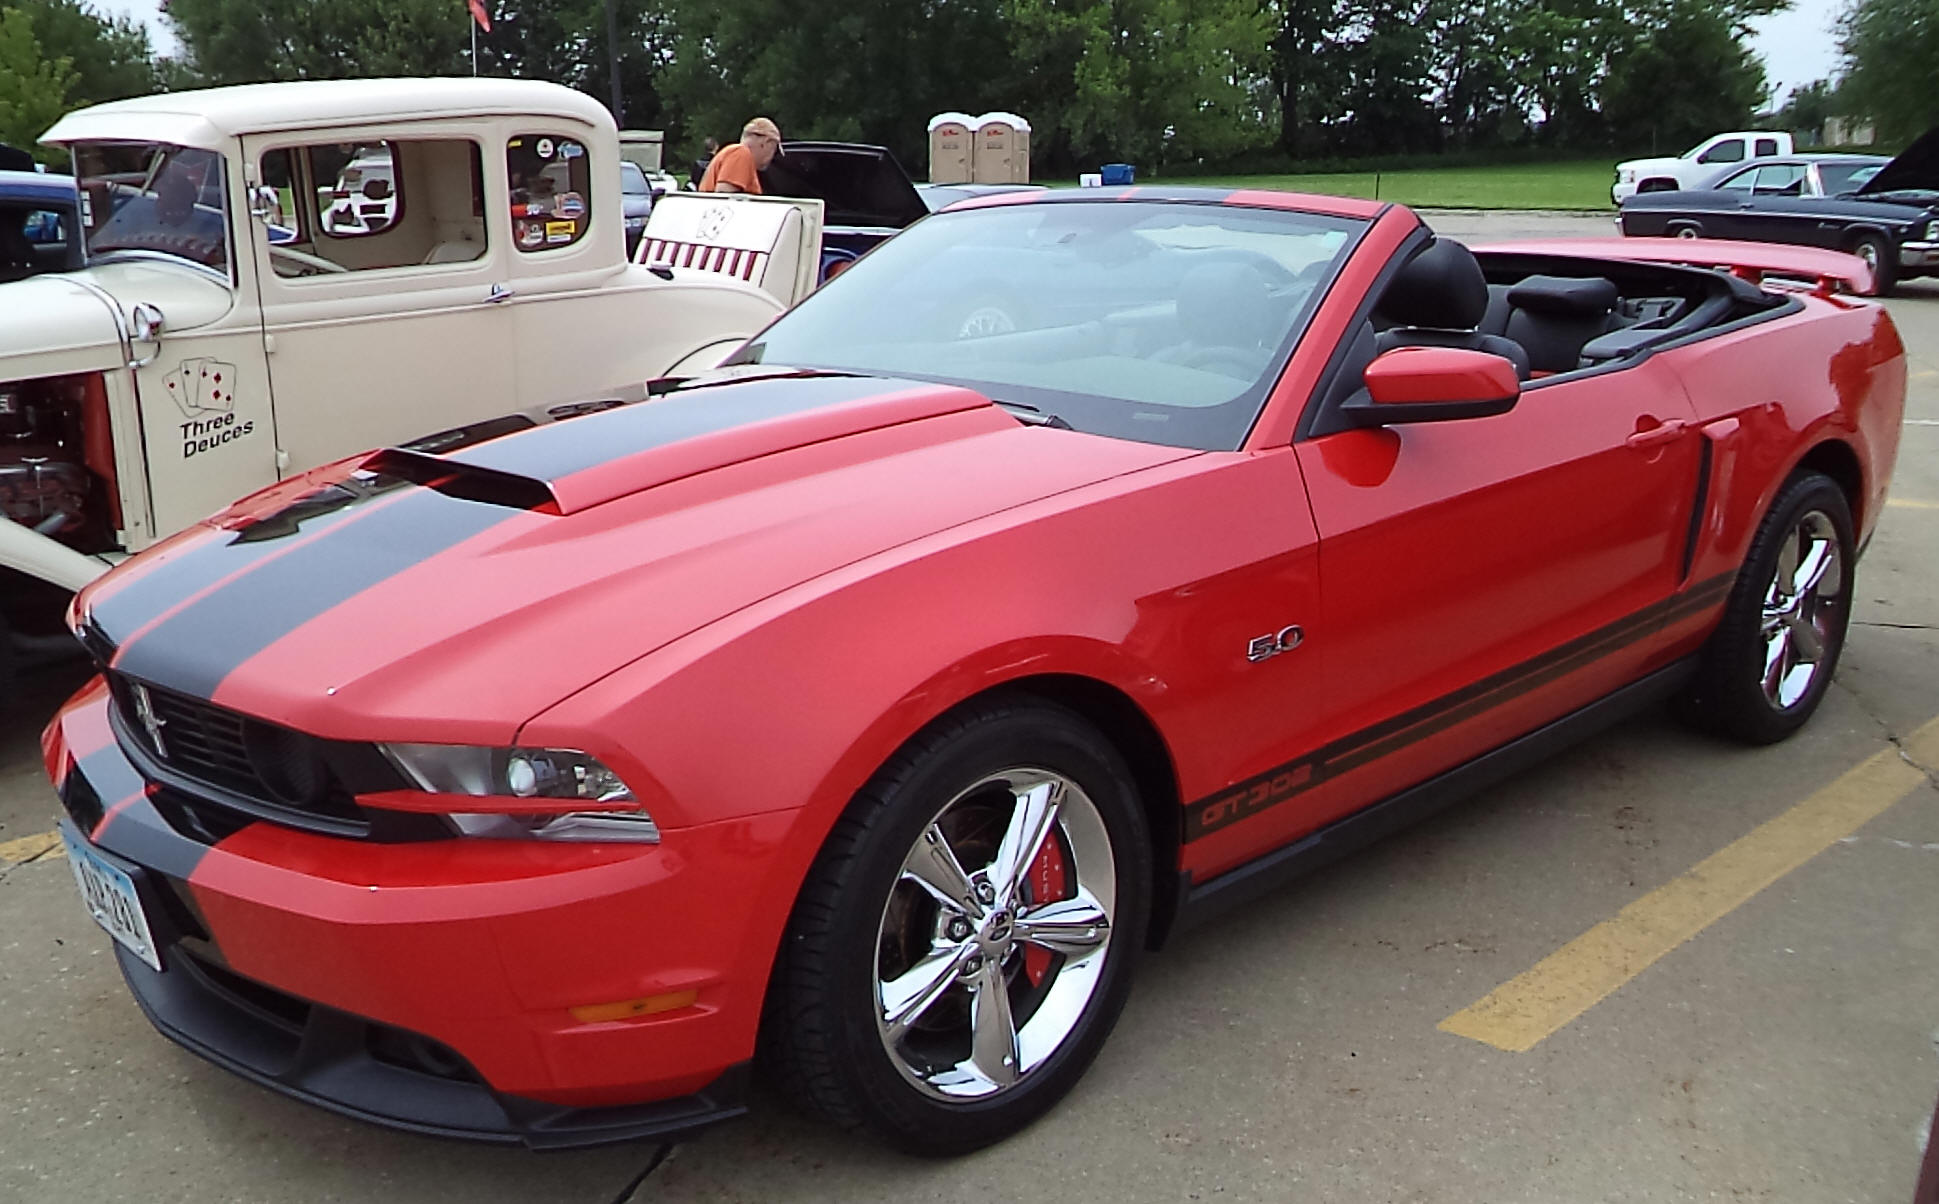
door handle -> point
(498, 293)
(1657, 435)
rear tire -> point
(945, 1026)
(1767, 666)
(1685, 230)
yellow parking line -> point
(28, 848)
(1534, 1005)
(1911, 503)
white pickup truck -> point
(1683, 171)
(225, 333)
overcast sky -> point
(1798, 46)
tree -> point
(246, 41)
(1149, 81)
(111, 56)
(34, 89)
(1808, 108)
(1689, 77)
(868, 70)
(1891, 50)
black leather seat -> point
(1229, 319)
(1554, 317)
(1439, 299)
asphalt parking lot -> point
(1657, 968)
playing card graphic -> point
(214, 381)
(202, 386)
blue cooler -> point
(1118, 174)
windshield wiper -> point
(1032, 416)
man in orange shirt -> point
(737, 168)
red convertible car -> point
(866, 708)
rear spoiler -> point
(1828, 271)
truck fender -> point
(45, 559)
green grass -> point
(1582, 184)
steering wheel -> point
(1235, 362)
(316, 263)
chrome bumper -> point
(1919, 254)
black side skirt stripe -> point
(1294, 778)
(1203, 901)
(194, 649)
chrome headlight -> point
(538, 793)
(1932, 231)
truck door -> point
(381, 274)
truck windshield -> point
(153, 197)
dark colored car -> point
(636, 197)
(868, 195)
(1884, 211)
(942, 196)
(39, 224)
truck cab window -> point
(362, 206)
(551, 191)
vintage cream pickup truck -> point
(231, 326)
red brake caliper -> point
(1048, 881)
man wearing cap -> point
(737, 168)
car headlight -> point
(1626, 177)
(536, 793)
(1932, 231)
(635, 223)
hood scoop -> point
(566, 467)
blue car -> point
(39, 224)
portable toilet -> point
(949, 148)
(1002, 149)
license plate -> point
(110, 897)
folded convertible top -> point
(1829, 270)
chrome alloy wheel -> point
(1867, 250)
(994, 938)
(1800, 607)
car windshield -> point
(1161, 322)
(153, 197)
(1847, 177)
(632, 181)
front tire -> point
(1877, 253)
(1769, 663)
(966, 938)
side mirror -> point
(1433, 384)
(145, 322)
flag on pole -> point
(479, 14)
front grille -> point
(204, 742)
(218, 770)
